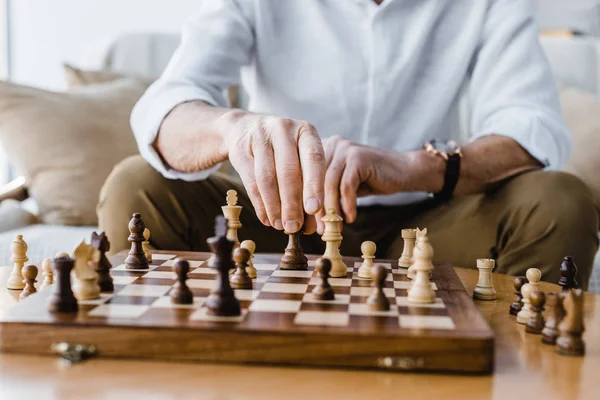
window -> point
(4, 45)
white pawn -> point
(533, 276)
(368, 249)
(19, 258)
(421, 290)
(48, 273)
(485, 287)
(146, 245)
(251, 247)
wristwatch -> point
(450, 152)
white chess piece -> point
(485, 287)
(251, 247)
(86, 285)
(232, 212)
(533, 276)
(19, 258)
(410, 237)
(368, 250)
(410, 274)
(421, 290)
(333, 239)
(146, 245)
(48, 273)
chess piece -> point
(146, 245)
(293, 256)
(323, 291)
(333, 239)
(240, 279)
(536, 322)
(485, 286)
(48, 273)
(251, 247)
(19, 258)
(533, 277)
(409, 236)
(419, 234)
(85, 285)
(555, 314)
(377, 300)
(181, 293)
(29, 272)
(100, 242)
(62, 299)
(232, 212)
(569, 341)
(367, 249)
(136, 258)
(568, 275)
(222, 301)
(421, 290)
(516, 306)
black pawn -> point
(102, 267)
(536, 321)
(323, 291)
(181, 293)
(293, 257)
(221, 301)
(240, 279)
(518, 303)
(62, 299)
(377, 300)
(568, 275)
(136, 258)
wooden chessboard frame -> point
(367, 342)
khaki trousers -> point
(532, 220)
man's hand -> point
(282, 165)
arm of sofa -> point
(16, 190)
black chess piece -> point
(293, 257)
(323, 291)
(29, 273)
(62, 299)
(536, 322)
(100, 242)
(518, 303)
(136, 258)
(568, 275)
(181, 293)
(221, 301)
(240, 279)
(555, 313)
(377, 300)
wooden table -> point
(524, 368)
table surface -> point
(524, 367)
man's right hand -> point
(281, 162)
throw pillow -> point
(67, 143)
(581, 112)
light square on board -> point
(204, 270)
(357, 265)
(202, 315)
(388, 278)
(400, 271)
(123, 279)
(123, 267)
(339, 299)
(265, 267)
(160, 275)
(119, 310)
(403, 301)
(290, 306)
(407, 285)
(426, 322)
(366, 291)
(144, 290)
(193, 264)
(246, 294)
(285, 287)
(103, 298)
(292, 274)
(363, 309)
(201, 283)
(162, 256)
(165, 302)
(332, 281)
(322, 318)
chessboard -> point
(280, 324)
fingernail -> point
(292, 226)
(277, 224)
(266, 222)
(312, 205)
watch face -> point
(443, 146)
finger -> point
(245, 168)
(266, 181)
(312, 161)
(349, 189)
(333, 177)
(310, 224)
(320, 224)
(330, 145)
(289, 176)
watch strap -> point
(450, 178)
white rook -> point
(485, 287)
(409, 236)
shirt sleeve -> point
(512, 87)
(215, 44)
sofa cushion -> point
(581, 112)
(67, 143)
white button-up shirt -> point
(388, 75)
